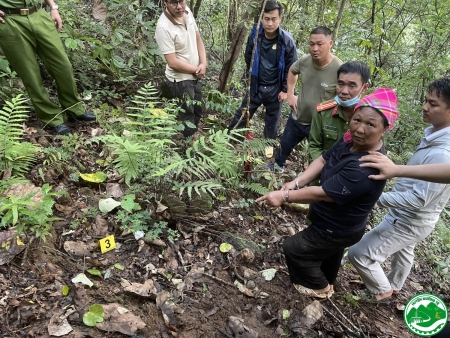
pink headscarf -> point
(383, 99)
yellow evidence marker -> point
(107, 244)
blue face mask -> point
(348, 103)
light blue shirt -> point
(415, 201)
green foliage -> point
(256, 188)
(218, 102)
(127, 155)
(215, 161)
(205, 186)
(211, 163)
(15, 156)
(94, 315)
(121, 46)
(136, 221)
(28, 215)
(443, 229)
(243, 203)
(129, 204)
(148, 139)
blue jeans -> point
(267, 96)
(293, 134)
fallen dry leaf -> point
(64, 209)
(157, 242)
(100, 226)
(96, 132)
(237, 326)
(77, 248)
(212, 311)
(58, 325)
(167, 307)
(23, 189)
(416, 286)
(115, 190)
(30, 130)
(194, 276)
(119, 319)
(161, 207)
(147, 289)
(99, 10)
(80, 298)
(10, 245)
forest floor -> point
(187, 288)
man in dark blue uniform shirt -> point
(274, 55)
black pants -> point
(314, 256)
(293, 134)
(267, 96)
(188, 90)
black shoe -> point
(86, 117)
(62, 129)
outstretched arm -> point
(305, 195)
(438, 173)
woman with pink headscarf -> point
(341, 204)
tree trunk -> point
(233, 53)
(195, 7)
(338, 20)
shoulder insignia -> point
(326, 105)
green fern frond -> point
(148, 96)
(258, 146)
(20, 157)
(205, 186)
(256, 187)
(12, 117)
(15, 154)
(128, 158)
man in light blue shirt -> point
(413, 206)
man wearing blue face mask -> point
(332, 119)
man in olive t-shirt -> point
(318, 72)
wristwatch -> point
(54, 7)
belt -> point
(22, 11)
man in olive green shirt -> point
(318, 76)
(27, 30)
(331, 121)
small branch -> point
(339, 321)
(218, 279)
(348, 320)
(180, 257)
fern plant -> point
(147, 139)
(15, 155)
(147, 151)
(214, 162)
(28, 215)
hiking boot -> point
(273, 166)
(86, 117)
(62, 129)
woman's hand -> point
(273, 199)
(289, 186)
